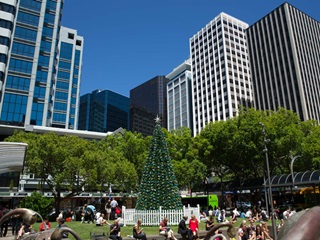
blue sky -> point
(128, 42)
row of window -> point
(66, 51)
(60, 106)
(37, 113)
(28, 18)
(18, 65)
(23, 49)
(25, 33)
(39, 92)
(4, 41)
(64, 75)
(51, 5)
(31, 4)
(61, 95)
(64, 65)
(3, 58)
(41, 76)
(59, 117)
(62, 85)
(19, 83)
(43, 61)
(7, 8)
(45, 46)
(14, 108)
(6, 24)
(49, 18)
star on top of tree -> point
(157, 119)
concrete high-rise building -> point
(179, 97)
(147, 101)
(220, 71)
(30, 51)
(285, 62)
(103, 111)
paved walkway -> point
(9, 235)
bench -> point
(202, 234)
(98, 236)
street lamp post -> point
(291, 169)
(271, 213)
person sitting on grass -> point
(210, 223)
(138, 232)
(115, 233)
(101, 221)
(165, 230)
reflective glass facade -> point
(179, 97)
(67, 89)
(39, 65)
(147, 101)
(103, 111)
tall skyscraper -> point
(30, 51)
(220, 71)
(147, 101)
(285, 62)
(67, 87)
(103, 111)
(179, 97)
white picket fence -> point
(154, 217)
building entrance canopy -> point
(12, 156)
(300, 178)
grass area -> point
(84, 229)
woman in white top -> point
(100, 221)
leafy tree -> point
(38, 203)
(310, 145)
(58, 160)
(189, 174)
(135, 149)
(159, 186)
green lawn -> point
(84, 229)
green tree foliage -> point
(236, 145)
(159, 186)
(310, 145)
(38, 203)
(190, 172)
(135, 150)
(58, 160)
(189, 175)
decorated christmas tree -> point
(159, 186)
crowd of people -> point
(253, 224)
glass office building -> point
(147, 101)
(67, 87)
(30, 47)
(103, 111)
(285, 62)
(179, 97)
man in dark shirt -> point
(185, 232)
